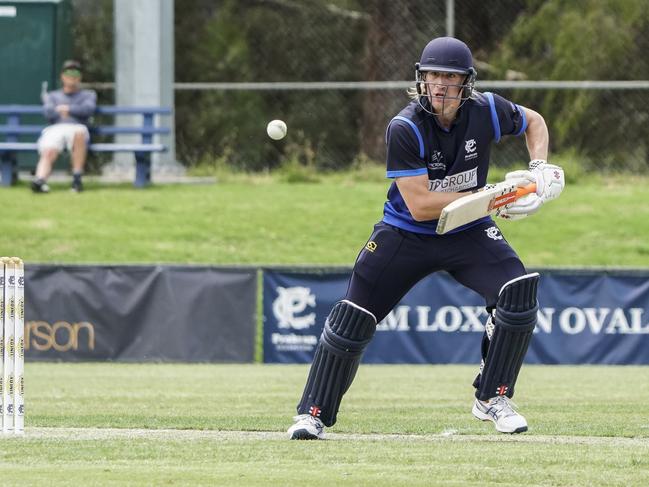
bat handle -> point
(523, 190)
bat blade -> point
(480, 204)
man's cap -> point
(71, 68)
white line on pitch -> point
(446, 436)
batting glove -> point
(549, 180)
(523, 206)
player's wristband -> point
(536, 163)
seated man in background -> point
(68, 111)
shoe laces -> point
(504, 405)
(307, 417)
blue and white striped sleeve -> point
(510, 116)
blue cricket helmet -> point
(447, 54)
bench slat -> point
(117, 110)
(107, 130)
(128, 148)
(21, 109)
(32, 146)
(18, 146)
(100, 130)
(108, 110)
(20, 129)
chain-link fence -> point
(610, 134)
(308, 42)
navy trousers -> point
(394, 260)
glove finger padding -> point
(527, 205)
(524, 176)
(550, 181)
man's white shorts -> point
(61, 136)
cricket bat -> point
(480, 204)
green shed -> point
(35, 39)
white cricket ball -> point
(276, 129)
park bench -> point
(13, 130)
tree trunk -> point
(395, 38)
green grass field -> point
(179, 424)
(265, 220)
(209, 424)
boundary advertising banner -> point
(585, 317)
(140, 313)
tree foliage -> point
(265, 41)
(588, 40)
(354, 40)
(92, 34)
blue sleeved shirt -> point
(455, 160)
(82, 104)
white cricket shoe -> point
(500, 410)
(306, 427)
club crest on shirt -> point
(470, 149)
(494, 233)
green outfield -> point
(266, 220)
(179, 424)
(209, 424)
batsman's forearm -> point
(428, 206)
(537, 136)
(424, 205)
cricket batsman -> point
(438, 151)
